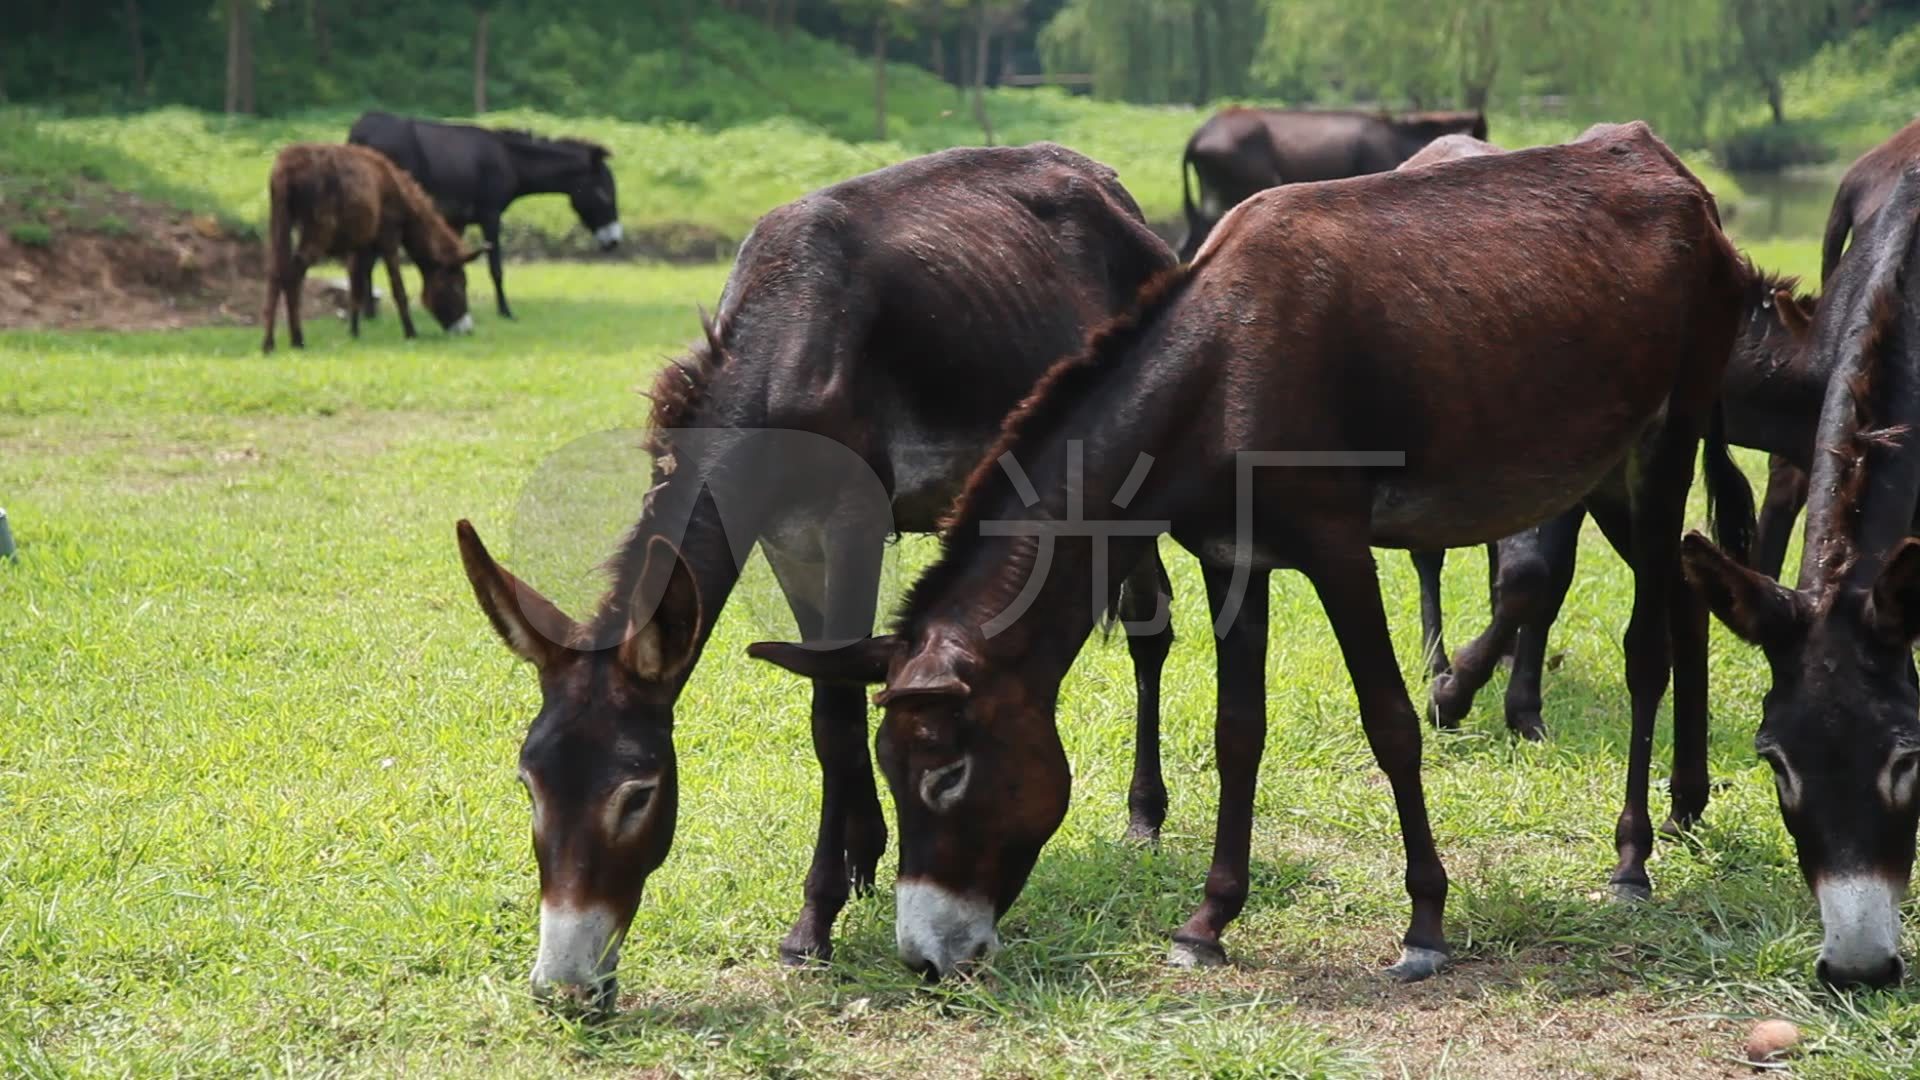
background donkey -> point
(349, 202)
(475, 173)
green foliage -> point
(34, 234)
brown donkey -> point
(1839, 723)
(351, 203)
(869, 340)
(1432, 358)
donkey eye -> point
(1902, 773)
(1784, 780)
(628, 806)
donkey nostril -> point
(928, 971)
(979, 951)
(1887, 974)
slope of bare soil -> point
(115, 261)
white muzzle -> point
(462, 325)
(609, 234)
(937, 930)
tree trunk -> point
(1202, 59)
(1776, 98)
(880, 78)
(239, 57)
(480, 17)
(937, 44)
(982, 44)
(317, 26)
(139, 48)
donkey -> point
(1772, 391)
(350, 203)
(868, 341)
(1239, 151)
(1862, 191)
(475, 173)
(1445, 356)
(1840, 724)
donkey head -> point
(979, 779)
(1841, 728)
(597, 761)
(595, 200)
(444, 291)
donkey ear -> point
(858, 663)
(930, 674)
(1752, 605)
(1894, 607)
(665, 615)
(1794, 317)
(528, 622)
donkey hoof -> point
(1442, 711)
(1632, 892)
(1196, 954)
(1143, 834)
(798, 955)
(1416, 963)
(1528, 726)
(1678, 825)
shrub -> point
(32, 234)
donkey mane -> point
(1871, 432)
(428, 230)
(524, 138)
(1053, 395)
(682, 385)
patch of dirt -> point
(115, 261)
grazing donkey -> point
(1418, 359)
(475, 173)
(1840, 724)
(1239, 151)
(1862, 191)
(868, 342)
(1772, 391)
(350, 203)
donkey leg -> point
(1344, 576)
(852, 834)
(1556, 545)
(1239, 738)
(1786, 494)
(1652, 534)
(359, 289)
(490, 229)
(1146, 599)
(1689, 784)
(272, 311)
(1433, 645)
(399, 288)
(296, 285)
(1514, 576)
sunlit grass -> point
(257, 744)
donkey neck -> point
(1772, 389)
(680, 513)
(428, 240)
(546, 168)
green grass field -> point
(257, 756)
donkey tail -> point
(1730, 514)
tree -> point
(138, 46)
(481, 13)
(888, 19)
(1773, 35)
(239, 18)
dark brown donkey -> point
(350, 203)
(1841, 722)
(1861, 193)
(1423, 359)
(1772, 391)
(869, 340)
(1239, 151)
